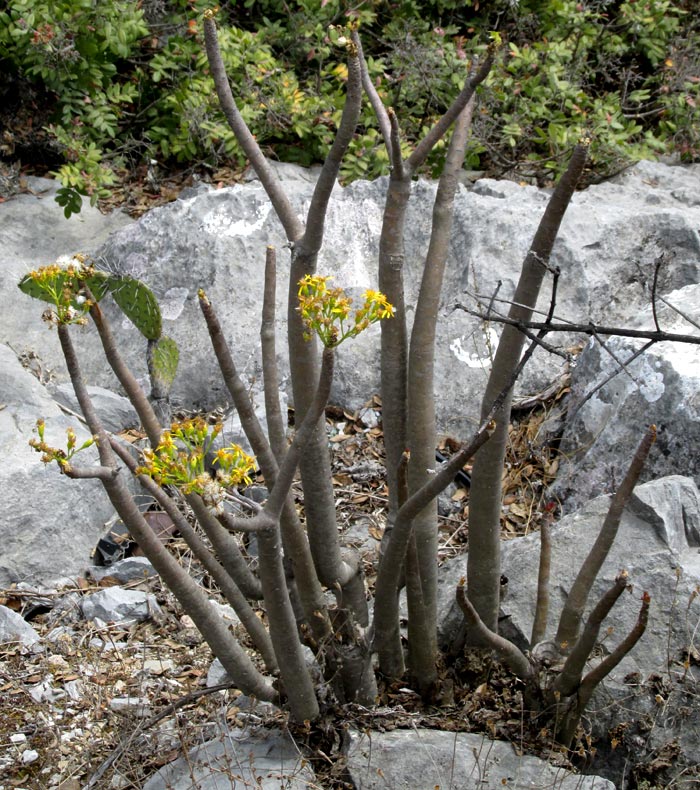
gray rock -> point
(33, 233)
(610, 237)
(406, 759)
(14, 629)
(133, 706)
(605, 424)
(217, 674)
(50, 523)
(116, 411)
(250, 758)
(126, 570)
(657, 544)
(226, 613)
(116, 605)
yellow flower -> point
(326, 311)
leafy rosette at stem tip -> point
(326, 311)
(182, 456)
(65, 285)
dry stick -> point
(569, 678)
(421, 592)
(493, 315)
(215, 569)
(482, 635)
(483, 563)
(193, 600)
(590, 328)
(577, 408)
(621, 366)
(294, 538)
(680, 312)
(654, 284)
(572, 613)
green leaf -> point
(138, 304)
(70, 199)
(164, 361)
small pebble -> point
(29, 756)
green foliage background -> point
(127, 82)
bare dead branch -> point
(654, 285)
(622, 368)
(589, 328)
(680, 312)
(492, 315)
(638, 353)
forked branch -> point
(572, 613)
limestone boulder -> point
(50, 524)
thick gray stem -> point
(484, 560)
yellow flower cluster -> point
(62, 286)
(179, 460)
(326, 311)
(61, 457)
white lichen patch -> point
(219, 221)
(479, 358)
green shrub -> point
(130, 85)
